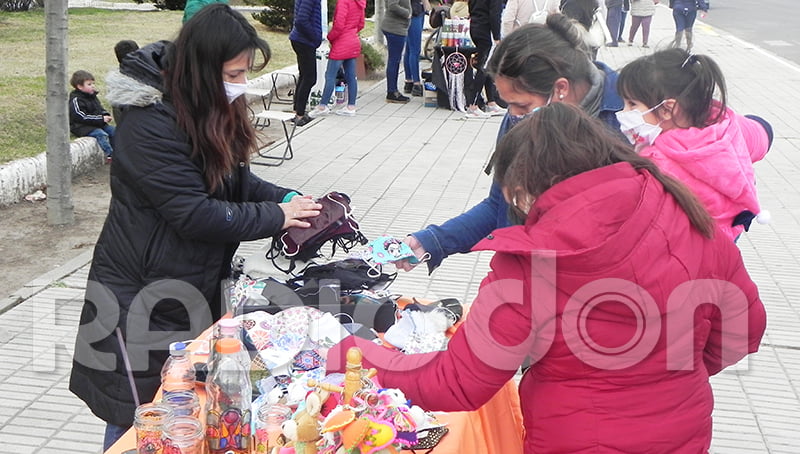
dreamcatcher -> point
(454, 66)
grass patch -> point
(92, 35)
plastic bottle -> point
(178, 372)
(231, 329)
(229, 394)
(340, 88)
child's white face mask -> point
(636, 129)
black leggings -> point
(307, 67)
(483, 44)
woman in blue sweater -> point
(535, 65)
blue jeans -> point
(684, 20)
(613, 18)
(113, 433)
(394, 44)
(104, 136)
(349, 76)
(413, 48)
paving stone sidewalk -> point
(406, 166)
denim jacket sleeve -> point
(461, 233)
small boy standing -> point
(87, 117)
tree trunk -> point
(59, 160)
(380, 11)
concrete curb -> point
(23, 176)
(45, 280)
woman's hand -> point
(297, 209)
(418, 250)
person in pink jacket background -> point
(615, 286)
(348, 20)
(673, 118)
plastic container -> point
(183, 435)
(340, 92)
(268, 425)
(231, 329)
(177, 374)
(229, 397)
(149, 420)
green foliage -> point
(277, 16)
(171, 5)
(373, 59)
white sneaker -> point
(346, 111)
(495, 110)
(476, 113)
(317, 112)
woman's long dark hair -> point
(220, 132)
(560, 141)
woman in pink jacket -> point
(612, 283)
(671, 116)
(348, 20)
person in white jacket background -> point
(520, 12)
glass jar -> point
(184, 435)
(149, 421)
(268, 425)
(183, 403)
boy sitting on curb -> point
(87, 117)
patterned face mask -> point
(387, 249)
(638, 131)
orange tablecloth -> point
(495, 428)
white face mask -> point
(638, 131)
(233, 90)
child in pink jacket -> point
(672, 117)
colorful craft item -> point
(339, 420)
(380, 434)
(354, 433)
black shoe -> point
(302, 121)
(416, 90)
(407, 87)
(397, 98)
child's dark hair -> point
(124, 47)
(536, 55)
(79, 77)
(692, 80)
(560, 141)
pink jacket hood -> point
(716, 162)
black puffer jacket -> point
(166, 244)
(85, 113)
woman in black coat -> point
(183, 197)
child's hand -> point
(107, 118)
